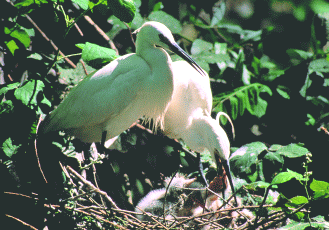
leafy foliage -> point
(277, 72)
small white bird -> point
(110, 100)
(178, 201)
(188, 117)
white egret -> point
(188, 117)
(179, 200)
(110, 100)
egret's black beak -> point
(226, 166)
(174, 47)
(180, 52)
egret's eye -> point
(163, 39)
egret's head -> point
(157, 34)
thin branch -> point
(92, 186)
(36, 151)
(19, 220)
(102, 33)
(51, 42)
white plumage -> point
(188, 116)
(114, 97)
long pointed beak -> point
(226, 165)
(180, 52)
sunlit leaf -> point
(82, 3)
(274, 156)
(123, 9)
(320, 189)
(172, 23)
(200, 46)
(286, 176)
(95, 55)
(243, 162)
(299, 54)
(9, 148)
(293, 151)
(12, 46)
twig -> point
(78, 29)
(94, 173)
(15, 218)
(101, 218)
(51, 42)
(325, 130)
(84, 66)
(36, 151)
(93, 187)
(131, 34)
(102, 33)
(19, 194)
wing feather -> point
(102, 95)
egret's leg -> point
(201, 169)
(103, 141)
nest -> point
(106, 214)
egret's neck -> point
(159, 85)
(205, 133)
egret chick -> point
(178, 201)
(188, 117)
(110, 100)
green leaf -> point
(275, 147)
(296, 201)
(319, 6)
(293, 151)
(19, 34)
(199, 46)
(286, 176)
(258, 184)
(251, 35)
(272, 156)
(74, 76)
(9, 148)
(317, 224)
(12, 46)
(247, 155)
(172, 23)
(283, 91)
(35, 56)
(4, 90)
(95, 55)
(28, 92)
(26, 3)
(218, 14)
(244, 97)
(300, 13)
(125, 10)
(320, 189)
(311, 121)
(299, 54)
(6, 106)
(82, 3)
(319, 65)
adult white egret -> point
(188, 117)
(110, 100)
